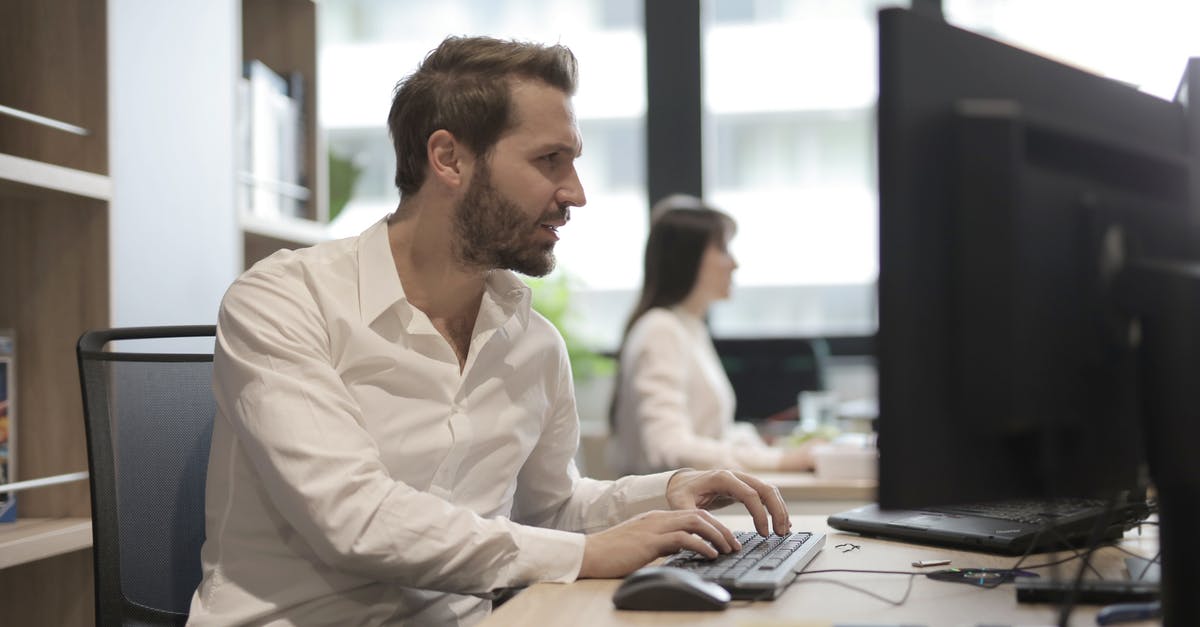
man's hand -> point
(626, 547)
(632, 544)
(712, 489)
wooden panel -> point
(53, 60)
(32, 179)
(53, 286)
(283, 34)
(260, 246)
(54, 252)
(54, 592)
(31, 539)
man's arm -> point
(303, 434)
(624, 548)
(551, 492)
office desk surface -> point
(805, 486)
(837, 597)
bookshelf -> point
(54, 211)
(283, 35)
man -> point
(396, 427)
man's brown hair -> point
(464, 86)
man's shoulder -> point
(540, 328)
(320, 266)
(285, 261)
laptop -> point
(1005, 527)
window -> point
(1142, 43)
(789, 94)
(789, 89)
(366, 46)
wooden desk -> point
(824, 598)
(805, 486)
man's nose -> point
(571, 194)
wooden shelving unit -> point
(283, 35)
(54, 282)
(32, 539)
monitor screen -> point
(1038, 238)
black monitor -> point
(767, 374)
(1039, 304)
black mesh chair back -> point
(148, 417)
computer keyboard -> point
(761, 569)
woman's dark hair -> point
(682, 227)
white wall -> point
(174, 239)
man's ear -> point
(448, 159)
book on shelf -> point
(271, 142)
(8, 425)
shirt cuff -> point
(645, 493)
(546, 555)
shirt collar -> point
(512, 299)
(379, 285)
(379, 288)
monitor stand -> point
(1164, 297)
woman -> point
(673, 404)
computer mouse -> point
(667, 589)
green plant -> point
(343, 174)
(552, 299)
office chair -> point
(148, 417)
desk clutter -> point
(667, 587)
(865, 580)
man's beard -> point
(494, 233)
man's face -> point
(521, 194)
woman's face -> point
(714, 281)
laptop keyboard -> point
(1030, 511)
(761, 569)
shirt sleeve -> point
(656, 376)
(550, 491)
(303, 434)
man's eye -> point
(550, 158)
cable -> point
(1068, 604)
(902, 601)
(907, 591)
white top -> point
(355, 473)
(675, 404)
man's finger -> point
(699, 523)
(772, 500)
(738, 488)
(725, 531)
(679, 540)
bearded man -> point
(396, 427)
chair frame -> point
(112, 607)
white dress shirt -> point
(675, 404)
(357, 477)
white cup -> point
(817, 409)
(842, 461)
